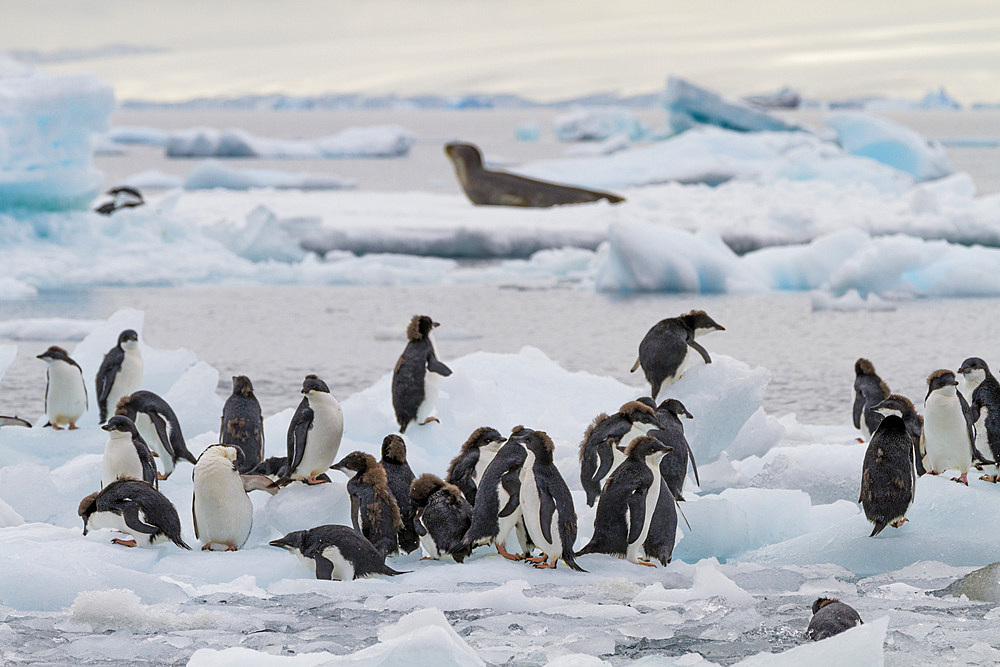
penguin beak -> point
(435, 324)
(954, 383)
(687, 415)
(666, 449)
(278, 543)
(106, 427)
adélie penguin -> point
(948, 439)
(243, 423)
(374, 511)
(126, 455)
(889, 475)
(159, 427)
(901, 406)
(314, 435)
(869, 391)
(65, 390)
(984, 411)
(414, 381)
(400, 476)
(665, 350)
(468, 467)
(670, 431)
(335, 552)
(831, 617)
(443, 517)
(599, 449)
(135, 508)
(223, 512)
(120, 372)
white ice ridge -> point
(352, 142)
(213, 174)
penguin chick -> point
(120, 372)
(468, 467)
(373, 509)
(65, 390)
(400, 477)
(599, 453)
(831, 617)
(889, 476)
(546, 504)
(414, 387)
(869, 391)
(901, 406)
(670, 431)
(984, 411)
(665, 351)
(126, 455)
(133, 507)
(335, 552)
(947, 441)
(159, 427)
(223, 513)
(443, 516)
(243, 423)
(314, 434)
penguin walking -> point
(443, 517)
(628, 503)
(243, 423)
(373, 509)
(414, 385)
(159, 427)
(135, 508)
(670, 431)
(126, 455)
(948, 439)
(468, 467)
(869, 391)
(65, 390)
(599, 450)
(984, 411)
(665, 351)
(889, 475)
(547, 505)
(335, 552)
(902, 407)
(120, 372)
(314, 435)
(831, 617)
(400, 476)
(223, 513)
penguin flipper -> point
(435, 366)
(130, 514)
(859, 408)
(878, 528)
(324, 568)
(637, 514)
(146, 459)
(702, 351)
(418, 526)
(194, 516)
(298, 430)
(511, 483)
(607, 459)
(109, 368)
(546, 509)
(161, 432)
(355, 512)
(694, 466)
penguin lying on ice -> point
(136, 508)
(335, 552)
(831, 617)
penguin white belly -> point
(946, 435)
(128, 379)
(531, 511)
(120, 460)
(343, 569)
(148, 432)
(222, 508)
(486, 456)
(426, 408)
(506, 523)
(99, 520)
(323, 440)
(652, 496)
(430, 547)
(66, 397)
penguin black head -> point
(87, 507)
(356, 463)
(422, 487)
(482, 436)
(675, 407)
(699, 322)
(313, 383)
(56, 353)
(519, 433)
(940, 379)
(242, 385)
(894, 404)
(644, 446)
(120, 424)
(864, 367)
(822, 602)
(540, 444)
(292, 541)
(467, 155)
(637, 411)
(124, 407)
(128, 338)
(420, 327)
(393, 449)
(971, 365)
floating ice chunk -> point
(48, 328)
(890, 143)
(530, 131)
(708, 583)
(213, 174)
(138, 135)
(689, 105)
(152, 179)
(353, 142)
(102, 145)
(851, 301)
(612, 144)
(119, 608)
(245, 657)
(597, 124)
(861, 645)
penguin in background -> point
(869, 391)
(314, 435)
(468, 467)
(122, 197)
(902, 407)
(599, 450)
(670, 431)
(243, 423)
(374, 511)
(948, 439)
(889, 475)
(629, 501)
(159, 427)
(135, 508)
(65, 389)
(443, 517)
(400, 477)
(335, 552)
(414, 385)
(126, 455)
(984, 411)
(547, 505)
(120, 373)
(831, 617)
(222, 510)
(665, 350)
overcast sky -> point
(544, 49)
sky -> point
(542, 49)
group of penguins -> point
(954, 433)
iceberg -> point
(689, 105)
(213, 174)
(598, 124)
(353, 142)
(890, 143)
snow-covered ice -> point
(214, 174)
(352, 142)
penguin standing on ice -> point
(243, 424)
(443, 517)
(65, 390)
(599, 450)
(547, 505)
(670, 431)
(335, 552)
(662, 533)
(135, 508)
(158, 425)
(889, 475)
(120, 372)
(831, 617)
(625, 510)
(400, 476)
(223, 513)
(468, 467)
(126, 455)
(373, 509)
(665, 351)
(869, 391)
(414, 385)
(984, 411)
(948, 439)
(314, 435)
(902, 407)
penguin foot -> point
(933, 472)
(502, 550)
(312, 481)
(642, 562)
(542, 565)
(990, 478)
(427, 558)
(230, 547)
(206, 547)
(535, 560)
(429, 420)
(124, 543)
(860, 440)
(900, 522)
(160, 476)
(961, 480)
(57, 427)
(73, 427)
(153, 452)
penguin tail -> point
(878, 528)
(179, 542)
(571, 562)
(188, 456)
(391, 572)
(588, 549)
(462, 549)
